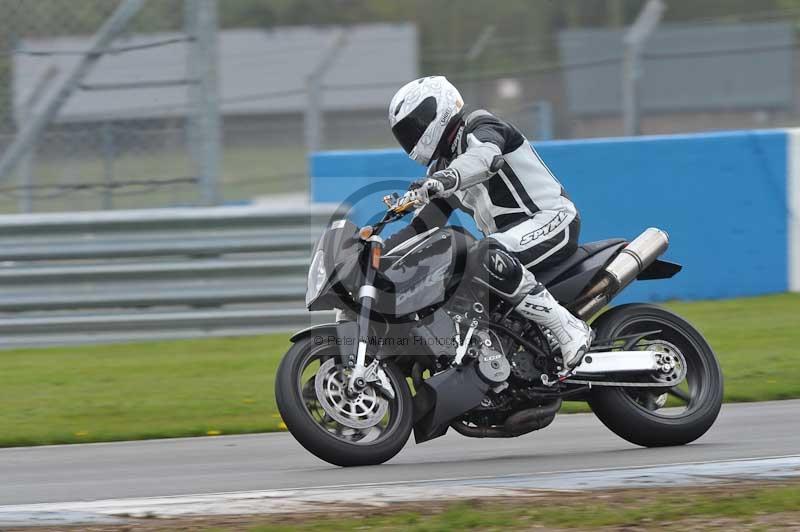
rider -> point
(527, 218)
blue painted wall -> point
(721, 197)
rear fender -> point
(660, 269)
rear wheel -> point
(660, 416)
(365, 429)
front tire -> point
(321, 434)
(641, 415)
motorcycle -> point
(415, 348)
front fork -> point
(367, 294)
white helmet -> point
(419, 114)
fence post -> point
(543, 110)
(314, 120)
(634, 40)
(202, 117)
(109, 152)
(25, 165)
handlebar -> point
(395, 205)
(397, 209)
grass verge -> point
(225, 386)
(741, 506)
(724, 508)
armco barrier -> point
(153, 274)
(728, 200)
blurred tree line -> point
(521, 35)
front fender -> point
(308, 331)
(344, 335)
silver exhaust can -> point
(632, 260)
(637, 256)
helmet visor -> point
(410, 129)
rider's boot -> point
(573, 335)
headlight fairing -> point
(334, 264)
(317, 275)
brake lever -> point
(397, 208)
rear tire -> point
(620, 410)
(319, 439)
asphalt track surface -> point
(275, 461)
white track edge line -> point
(227, 495)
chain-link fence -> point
(118, 136)
(141, 129)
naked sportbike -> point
(416, 346)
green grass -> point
(102, 393)
(196, 387)
(717, 509)
(757, 341)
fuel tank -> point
(423, 271)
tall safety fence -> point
(199, 102)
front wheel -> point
(366, 429)
(660, 416)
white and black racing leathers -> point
(523, 211)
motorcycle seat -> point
(584, 251)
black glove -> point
(449, 178)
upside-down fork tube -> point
(367, 295)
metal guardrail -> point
(154, 274)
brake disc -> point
(362, 411)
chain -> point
(622, 384)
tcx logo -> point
(539, 308)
